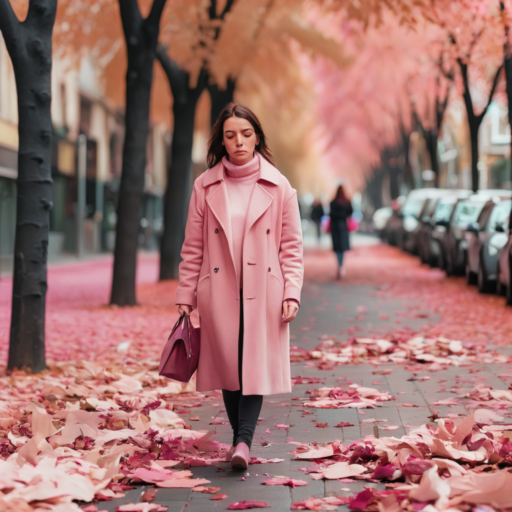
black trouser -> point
(243, 410)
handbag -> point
(352, 224)
(325, 223)
(180, 355)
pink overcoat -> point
(272, 270)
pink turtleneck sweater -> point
(240, 181)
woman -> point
(341, 210)
(242, 267)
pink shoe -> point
(240, 459)
(229, 453)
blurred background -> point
(384, 99)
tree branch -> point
(9, 24)
(491, 94)
(155, 14)
(178, 79)
(130, 18)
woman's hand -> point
(184, 308)
(290, 309)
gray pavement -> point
(334, 310)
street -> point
(373, 302)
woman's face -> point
(240, 140)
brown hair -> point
(216, 150)
(341, 196)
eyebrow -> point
(233, 131)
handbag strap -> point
(188, 344)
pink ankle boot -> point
(229, 453)
(240, 459)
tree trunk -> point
(473, 134)
(179, 178)
(30, 47)
(220, 98)
(141, 37)
(474, 120)
(431, 139)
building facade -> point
(80, 107)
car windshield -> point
(413, 206)
(443, 211)
(499, 214)
(466, 213)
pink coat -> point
(273, 271)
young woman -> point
(341, 210)
(243, 269)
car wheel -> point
(470, 276)
(484, 286)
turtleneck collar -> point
(242, 171)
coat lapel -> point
(218, 202)
(259, 203)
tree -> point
(141, 36)
(29, 44)
(186, 93)
(474, 33)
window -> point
(467, 212)
(499, 215)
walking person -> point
(341, 210)
(317, 212)
(243, 269)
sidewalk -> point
(327, 309)
(386, 296)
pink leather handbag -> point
(181, 352)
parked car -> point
(393, 226)
(435, 253)
(380, 219)
(504, 270)
(485, 238)
(454, 242)
(414, 239)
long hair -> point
(341, 196)
(217, 150)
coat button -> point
(216, 269)
(216, 230)
(269, 269)
(268, 231)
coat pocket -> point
(202, 279)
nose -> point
(239, 140)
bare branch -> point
(491, 94)
(9, 24)
(155, 14)
(130, 17)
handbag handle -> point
(184, 317)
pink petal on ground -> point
(141, 507)
(219, 497)
(182, 483)
(343, 470)
(283, 426)
(390, 427)
(486, 416)
(286, 481)
(362, 500)
(244, 505)
(431, 487)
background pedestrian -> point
(341, 210)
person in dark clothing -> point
(341, 210)
(317, 212)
